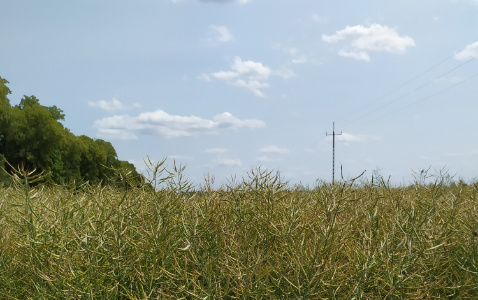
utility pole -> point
(333, 150)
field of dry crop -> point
(256, 238)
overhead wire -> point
(409, 92)
(421, 99)
(402, 85)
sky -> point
(228, 86)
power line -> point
(422, 99)
(405, 84)
(413, 91)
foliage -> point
(4, 115)
(256, 238)
(32, 136)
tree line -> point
(33, 137)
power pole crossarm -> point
(333, 134)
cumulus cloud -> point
(273, 149)
(248, 74)
(160, 123)
(222, 34)
(111, 106)
(470, 51)
(374, 38)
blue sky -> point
(225, 86)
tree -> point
(4, 113)
(71, 158)
(98, 158)
(4, 92)
(28, 102)
(32, 136)
(56, 113)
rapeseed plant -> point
(251, 238)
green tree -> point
(28, 102)
(32, 136)
(98, 157)
(56, 113)
(4, 92)
(4, 113)
(71, 158)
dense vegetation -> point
(32, 136)
(255, 238)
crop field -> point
(256, 237)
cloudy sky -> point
(225, 86)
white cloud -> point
(161, 123)
(470, 51)
(274, 149)
(227, 162)
(115, 133)
(374, 38)
(358, 55)
(248, 74)
(111, 106)
(254, 86)
(222, 34)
